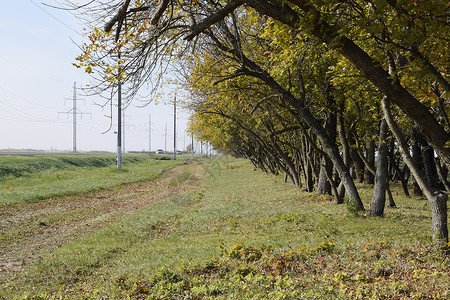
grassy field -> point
(229, 232)
(32, 178)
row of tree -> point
(310, 89)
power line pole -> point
(165, 139)
(149, 133)
(119, 118)
(150, 130)
(124, 125)
(123, 130)
(74, 117)
(74, 112)
(175, 128)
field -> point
(203, 229)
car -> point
(160, 151)
(179, 152)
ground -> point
(29, 230)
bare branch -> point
(226, 78)
(138, 9)
(214, 18)
(66, 8)
(287, 129)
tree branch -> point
(119, 16)
(213, 19)
(161, 8)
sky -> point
(37, 49)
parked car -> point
(160, 151)
(179, 152)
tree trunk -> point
(341, 191)
(401, 175)
(429, 166)
(333, 153)
(442, 172)
(343, 138)
(298, 165)
(416, 156)
(358, 164)
(345, 147)
(305, 115)
(309, 183)
(379, 190)
(334, 187)
(391, 199)
(291, 170)
(370, 157)
(326, 167)
(323, 185)
(439, 219)
(438, 203)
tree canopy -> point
(299, 87)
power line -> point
(16, 118)
(24, 99)
(54, 17)
(25, 116)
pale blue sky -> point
(36, 55)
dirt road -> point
(30, 230)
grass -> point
(247, 235)
(33, 178)
(23, 165)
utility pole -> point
(149, 133)
(150, 130)
(165, 139)
(74, 117)
(124, 116)
(123, 130)
(74, 112)
(119, 118)
(175, 128)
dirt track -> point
(28, 231)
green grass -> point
(247, 235)
(33, 178)
(24, 165)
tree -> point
(381, 175)
(315, 22)
(438, 201)
(296, 51)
